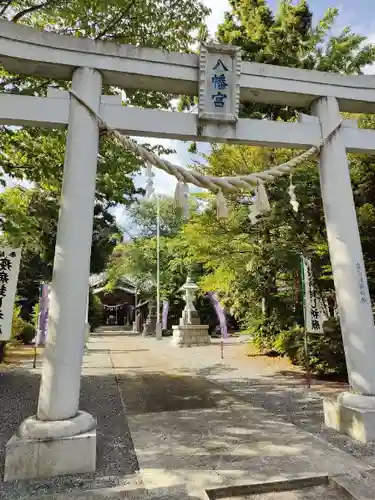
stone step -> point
(120, 493)
(113, 328)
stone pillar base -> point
(351, 414)
(190, 335)
(149, 328)
(158, 331)
(31, 458)
(38, 450)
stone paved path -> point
(188, 426)
(185, 419)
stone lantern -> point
(190, 332)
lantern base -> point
(190, 335)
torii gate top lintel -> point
(25, 50)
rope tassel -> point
(262, 199)
(181, 198)
(292, 195)
(253, 214)
(185, 205)
(179, 194)
(221, 206)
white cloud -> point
(163, 182)
(370, 68)
(218, 7)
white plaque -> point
(219, 83)
(9, 267)
(314, 307)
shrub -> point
(27, 333)
(289, 342)
(325, 351)
(17, 322)
(95, 312)
(34, 316)
(264, 332)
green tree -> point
(29, 220)
(37, 155)
(256, 269)
(289, 38)
(138, 259)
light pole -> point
(149, 192)
(158, 330)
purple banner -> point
(219, 313)
(165, 314)
(43, 314)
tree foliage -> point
(36, 156)
(137, 259)
(255, 269)
(289, 38)
(29, 220)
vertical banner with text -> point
(313, 304)
(9, 268)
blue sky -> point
(358, 14)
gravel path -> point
(99, 396)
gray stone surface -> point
(100, 396)
(228, 446)
(121, 493)
(358, 423)
(194, 335)
(356, 486)
(281, 393)
(31, 458)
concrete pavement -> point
(189, 431)
(170, 426)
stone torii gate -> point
(60, 439)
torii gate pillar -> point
(60, 439)
(353, 413)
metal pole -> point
(305, 333)
(158, 324)
(157, 259)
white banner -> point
(9, 267)
(313, 306)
